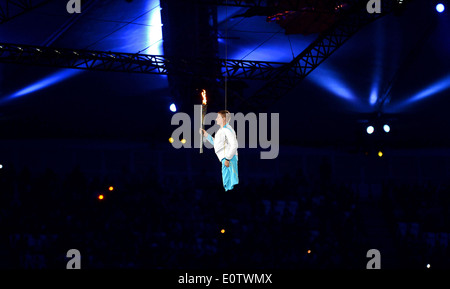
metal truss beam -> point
(81, 59)
(238, 3)
(317, 52)
(248, 69)
(13, 8)
(272, 3)
(134, 63)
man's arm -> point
(207, 136)
(232, 147)
(210, 139)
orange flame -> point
(204, 97)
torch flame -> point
(204, 97)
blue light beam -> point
(436, 87)
(330, 81)
(154, 32)
(42, 84)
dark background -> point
(68, 134)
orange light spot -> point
(309, 251)
(100, 197)
(222, 231)
(111, 188)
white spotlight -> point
(440, 7)
(173, 107)
(370, 129)
(386, 128)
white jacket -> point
(225, 143)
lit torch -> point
(202, 116)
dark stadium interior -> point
(84, 112)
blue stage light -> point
(42, 84)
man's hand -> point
(200, 131)
(227, 163)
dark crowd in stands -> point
(296, 222)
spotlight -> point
(171, 140)
(370, 129)
(428, 265)
(440, 7)
(100, 197)
(1, 166)
(386, 128)
(380, 154)
(183, 141)
(111, 188)
(173, 107)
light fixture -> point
(440, 7)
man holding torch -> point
(225, 146)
